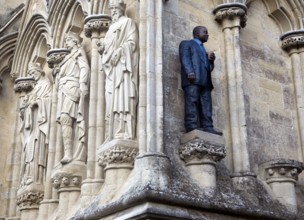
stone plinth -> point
(201, 151)
(117, 158)
(28, 200)
(67, 180)
(281, 175)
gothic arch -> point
(7, 47)
(66, 16)
(279, 14)
(30, 43)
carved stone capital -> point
(24, 84)
(97, 23)
(199, 150)
(292, 40)
(29, 200)
(281, 170)
(55, 56)
(231, 11)
(118, 153)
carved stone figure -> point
(120, 64)
(196, 67)
(72, 85)
(34, 127)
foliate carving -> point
(29, 199)
(118, 155)
(281, 169)
(231, 11)
(67, 181)
(293, 39)
(97, 23)
(55, 56)
(198, 149)
(24, 84)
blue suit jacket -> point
(192, 61)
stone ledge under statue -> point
(143, 195)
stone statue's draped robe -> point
(121, 80)
(74, 69)
(34, 129)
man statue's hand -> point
(211, 56)
(191, 77)
(101, 47)
(115, 57)
(83, 89)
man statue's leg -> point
(67, 134)
(206, 112)
(191, 94)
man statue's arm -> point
(186, 60)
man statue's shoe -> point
(211, 130)
(66, 160)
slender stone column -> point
(96, 27)
(281, 175)
(68, 186)
(293, 43)
(28, 196)
(50, 200)
(232, 16)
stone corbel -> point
(293, 41)
(231, 14)
(201, 151)
(281, 175)
(97, 25)
(24, 84)
(54, 57)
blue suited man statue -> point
(196, 67)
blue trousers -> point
(198, 108)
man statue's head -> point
(201, 33)
(117, 8)
(72, 41)
(35, 70)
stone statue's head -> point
(117, 8)
(72, 39)
(35, 70)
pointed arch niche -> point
(268, 87)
